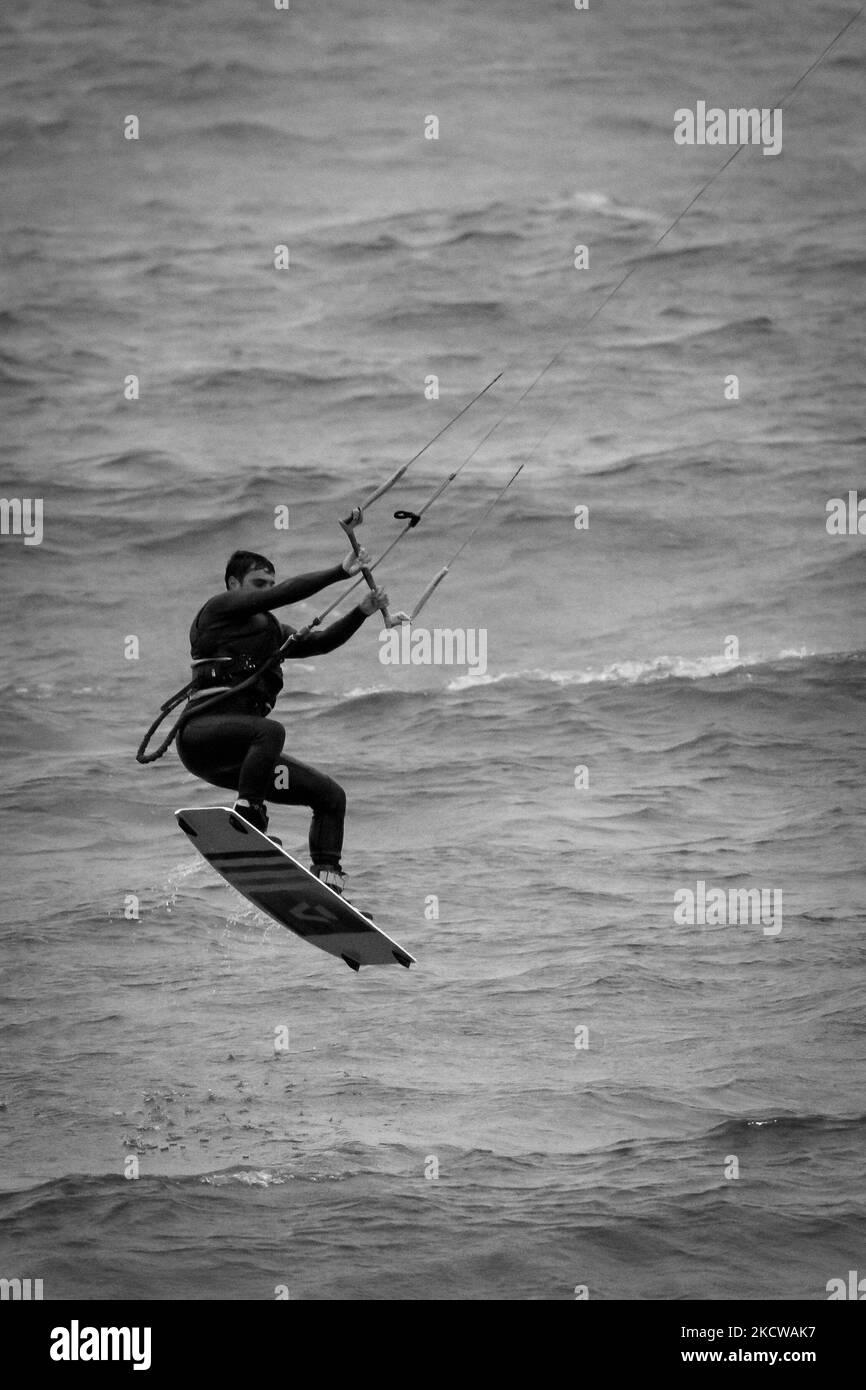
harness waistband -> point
(258, 705)
(208, 690)
(221, 675)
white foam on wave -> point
(606, 206)
(360, 691)
(633, 672)
(259, 1178)
(627, 672)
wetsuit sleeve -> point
(238, 602)
(315, 643)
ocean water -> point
(561, 1090)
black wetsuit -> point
(236, 745)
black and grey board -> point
(275, 882)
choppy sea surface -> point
(571, 1088)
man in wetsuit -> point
(235, 744)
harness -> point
(235, 661)
(253, 667)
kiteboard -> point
(277, 884)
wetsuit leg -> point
(233, 750)
(243, 752)
(297, 784)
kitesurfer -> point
(236, 744)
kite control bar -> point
(412, 519)
(355, 517)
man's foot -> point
(334, 878)
(255, 813)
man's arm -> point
(240, 602)
(317, 643)
(340, 631)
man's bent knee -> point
(272, 737)
(334, 798)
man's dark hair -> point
(243, 561)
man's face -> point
(254, 579)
